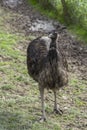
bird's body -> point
(45, 64)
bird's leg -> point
(56, 109)
(43, 118)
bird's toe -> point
(42, 119)
(58, 111)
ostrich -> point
(47, 67)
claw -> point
(58, 111)
(42, 119)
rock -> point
(12, 3)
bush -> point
(78, 11)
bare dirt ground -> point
(26, 21)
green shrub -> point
(78, 11)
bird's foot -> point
(58, 111)
(42, 119)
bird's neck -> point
(53, 44)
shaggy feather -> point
(46, 64)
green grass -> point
(20, 105)
(80, 33)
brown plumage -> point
(48, 66)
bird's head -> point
(53, 35)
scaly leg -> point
(56, 109)
(43, 118)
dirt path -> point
(26, 21)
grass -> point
(79, 32)
(20, 106)
(47, 12)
